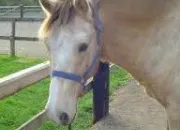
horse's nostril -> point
(64, 118)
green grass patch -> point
(17, 109)
(10, 65)
(16, 106)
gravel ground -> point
(132, 109)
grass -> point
(14, 106)
(10, 65)
(17, 109)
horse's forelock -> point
(64, 12)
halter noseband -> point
(82, 78)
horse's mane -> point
(63, 12)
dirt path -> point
(132, 109)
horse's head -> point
(70, 35)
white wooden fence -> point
(17, 81)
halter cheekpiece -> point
(99, 28)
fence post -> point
(21, 11)
(12, 38)
(101, 93)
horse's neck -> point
(136, 32)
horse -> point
(142, 36)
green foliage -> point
(10, 65)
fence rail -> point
(22, 19)
(12, 38)
(4, 11)
(35, 122)
(18, 9)
(14, 82)
(20, 38)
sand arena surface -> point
(132, 109)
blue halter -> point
(82, 78)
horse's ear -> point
(47, 6)
(82, 6)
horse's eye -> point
(83, 47)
